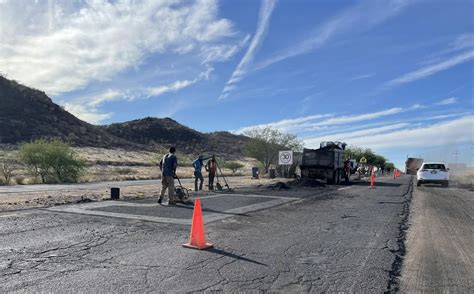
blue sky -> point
(395, 76)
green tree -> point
(265, 143)
(233, 165)
(52, 161)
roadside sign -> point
(285, 157)
(363, 160)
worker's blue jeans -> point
(198, 176)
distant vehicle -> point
(325, 163)
(412, 165)
(433, 173)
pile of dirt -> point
(306, 183)
(279, 186)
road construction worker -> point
(211, 168)
(197, 164)
(168, 165)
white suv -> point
(433, 172)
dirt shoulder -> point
(26, 200)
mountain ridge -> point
(27, 114)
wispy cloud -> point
(61, 46)
(448, 101)
(285, 125)
(87, 108)
(448, 132)
(361, 117)
(266, 10)
(427, 71)
(363, 16)
(321, 121)
(313, 142)
(361, 77)
(173, 87)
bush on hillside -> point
(53, 161)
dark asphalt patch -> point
(209, 205)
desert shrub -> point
(232, 165)
(53, 161)
(20, 180)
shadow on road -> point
(232, 255)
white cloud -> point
(286, 125)
(432, 69)
(176, 86)
(344, 137)
(448, 101)
(361, 77)
(363, 16)
(63, 46)
(262, 26)
(87, 108)
(446, 133)
(360, 117)
(87, 113)
(320, 121)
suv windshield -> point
(434, 166)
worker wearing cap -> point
(211, 168)
(197, 164)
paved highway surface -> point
(327, 239)
(440, 243)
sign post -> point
(285, 158)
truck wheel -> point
(418, 183)
(338, 177)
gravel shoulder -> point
(440, 242)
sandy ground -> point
(16, 201)
(120, 165)
(440, 255)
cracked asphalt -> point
(339, 238)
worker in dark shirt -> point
(168, 166)
(211, 168)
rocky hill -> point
(27, 114)
(167, 132)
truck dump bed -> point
(325, 163)
(323, 158)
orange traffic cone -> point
(197, 239)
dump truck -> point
(325, 163)
(412, 165)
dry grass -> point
(27, 200)
(122, 165)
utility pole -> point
(456, 153)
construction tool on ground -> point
(182, 194)
(218, 185)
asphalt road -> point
(440, 242)
(326, 239)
